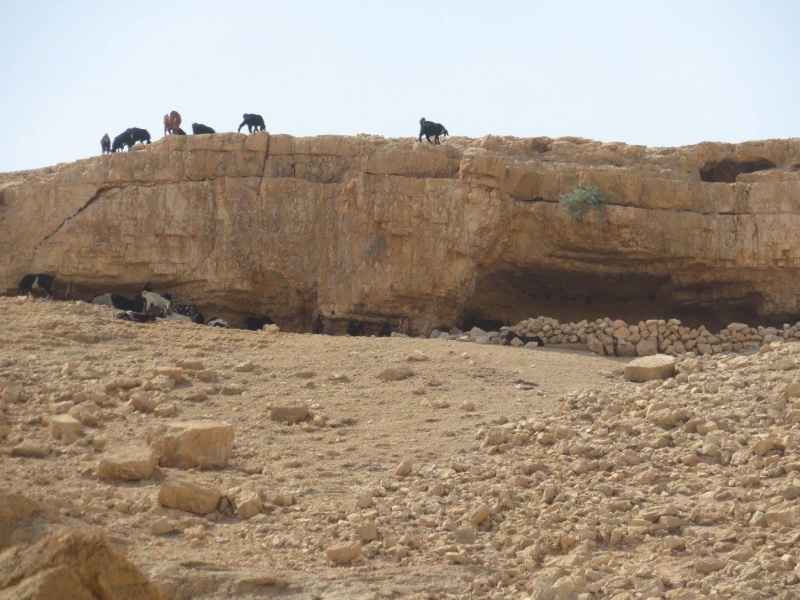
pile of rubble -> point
(618, 338)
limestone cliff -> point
(367, 227)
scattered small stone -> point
(30, 448)
(162, 526)
(289, 413)
(367, 531)
(65, 427)
(479, 514)
(403, 469)
(248, 505)
(344, 553)
(395, 374)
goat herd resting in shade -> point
(147, 306)
(172, 126)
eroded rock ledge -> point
(367, 227)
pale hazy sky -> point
(653, 72)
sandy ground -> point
(530, 472)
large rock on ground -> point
(191, 496)
(127, 463)
(648, 368)
(188, 444)
(75, 565)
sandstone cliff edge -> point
(366, 227)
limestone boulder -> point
(127, 463)
(649, 368)
(647, 348)
(344, 553)
(625, 348)
(65, 427)
(190, 444)
(188, 495)
(248, 504)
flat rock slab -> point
(127, 463)
(31, 449)
(190, 444)
(188, 495)
(648, 368)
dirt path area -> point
(473, 470)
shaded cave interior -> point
(499, 298)
(507, 297)
(727, 170)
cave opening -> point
(477, 320)
(508, 297)
(727, 170)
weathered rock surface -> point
(647, 368)
(289, 413)
(188, 444)
(18, 512)
(368, 227)
(188, 495)
(71, 564)
(127, 463)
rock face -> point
(371, 227)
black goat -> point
(139, 135)
(510, 335)
(429, 128)
(199, 128)
(317, 326)
(138, 317)
(39, 280)
(355, 328)
(257, 323)
(253, 122)
(122, 140)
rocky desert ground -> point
(184, 461)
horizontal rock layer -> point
(366, 227)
